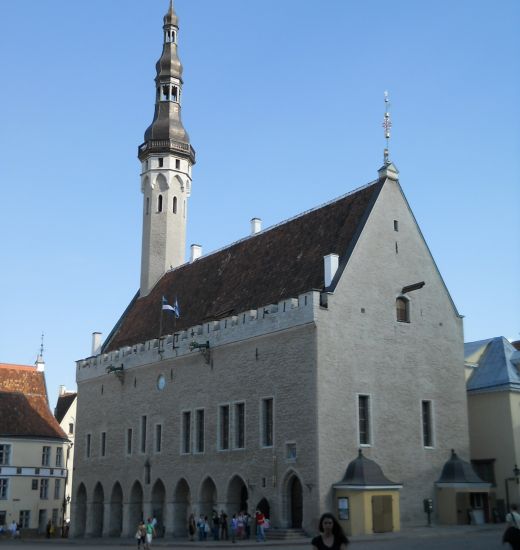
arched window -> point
(175, 205)
(147, 205)
(159, 203)
(402, 309)
(174, 93)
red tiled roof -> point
(279, 263)
(24, 407)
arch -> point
(264, 507)
(181, 507)
(98, 508)
(402, 309)
(158, 506)
(293, 500)
(80, 521)
(135, 505)
(175, 205)
(161, 183)
(237, 495)
(208, 497)
(116, 511)
(159, 203)
(180, 181)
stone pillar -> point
(168, 519)
(89, 524)
(106, 519)
(128, 530)
(147, 510)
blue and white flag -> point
(174, 309)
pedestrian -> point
(240, 525)
(150, 533)
(48, 530)
(247, 525)
(192, 527)
(260, 523)
(332, 536)
(140, 534)
(13, 527)
(223, 526)
(234, 528)
(215, 525)
(207, 528)
(512, 533)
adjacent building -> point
(33, 450)
(293, 348)
(493, 384)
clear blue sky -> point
(283, 100)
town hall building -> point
(324, 342)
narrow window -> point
(174, 93)
(186, 432)
(103, 443)
(129, 437)
(44, 489)
(143, 434)
(240, 410)
(427, 423)
(55, 512)
(364, 419)
(159, 203)
(175, 205)
(4, 485)
(34, 485)
(59, 456)
(224, 428)
(147, 205)
(158, 438)
(290, 452)
(396, 225)
(267, 422)
(177, 164)
(57, 489)
(161, 162)
(71, 428)
(402, 310)
(5, 454)
(46, 456)
(199, 426)
(25, 519)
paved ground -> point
(487, 537)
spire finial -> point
(387, 124)
(41, 346)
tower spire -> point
(40, 363)
(166, 158)
(387, 125)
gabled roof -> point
(496, 365)
(363, 472)
(278, 263)
(63, 404)
(24, 407)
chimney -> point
(40, 363)
(62, 390)
(331, 262)
(256, 226)
(196, 252)
(96, 343)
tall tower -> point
(166, 159)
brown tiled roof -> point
(516, 344)
(62, 406)
(279, 263)
(24, 407)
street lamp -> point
(516, 473)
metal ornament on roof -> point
(387, 125)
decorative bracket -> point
(203, 348)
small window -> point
(364, 419)
(34, 485)
(186, 432)
(160, 162)
(44, 489)
(159, 203)
(103, 444)
(402, 310)
(177, 164)
(46, 456)
(290, 452)
(147, 205)
(57, 489)
(59, 457)
(129, 435)
(25, 519)
(143, 434)
(267, 422)
(4, 485)
(199, 427)
(396, 225)
(427, 423)
(158, 438)
(87, 446)
(175, 205)
(240, 424)
(71, 428)
(5, 454)
(224, 427)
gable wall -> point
(397, 364)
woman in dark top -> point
(332, 536)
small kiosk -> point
(462, 497)
(366, 500)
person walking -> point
(234, 528)
(260, 521)
(192, 527)
(223, 526)
(512, 533)
(150, 533)
(332, 536)
(215, 525)
(140, 535)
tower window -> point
(161, 162)
(166, 92)
(402, 310)
(147, 205)
(174, 93)
(159, 203)
(177, 164)
(396, 225)
(175, 205)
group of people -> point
(220, 527)
(146, 532)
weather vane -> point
(41, 346)
(387, 124)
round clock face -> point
(161, 382)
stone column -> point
(128, 530)
(89, 524)
(168, 519)
(106, 519)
